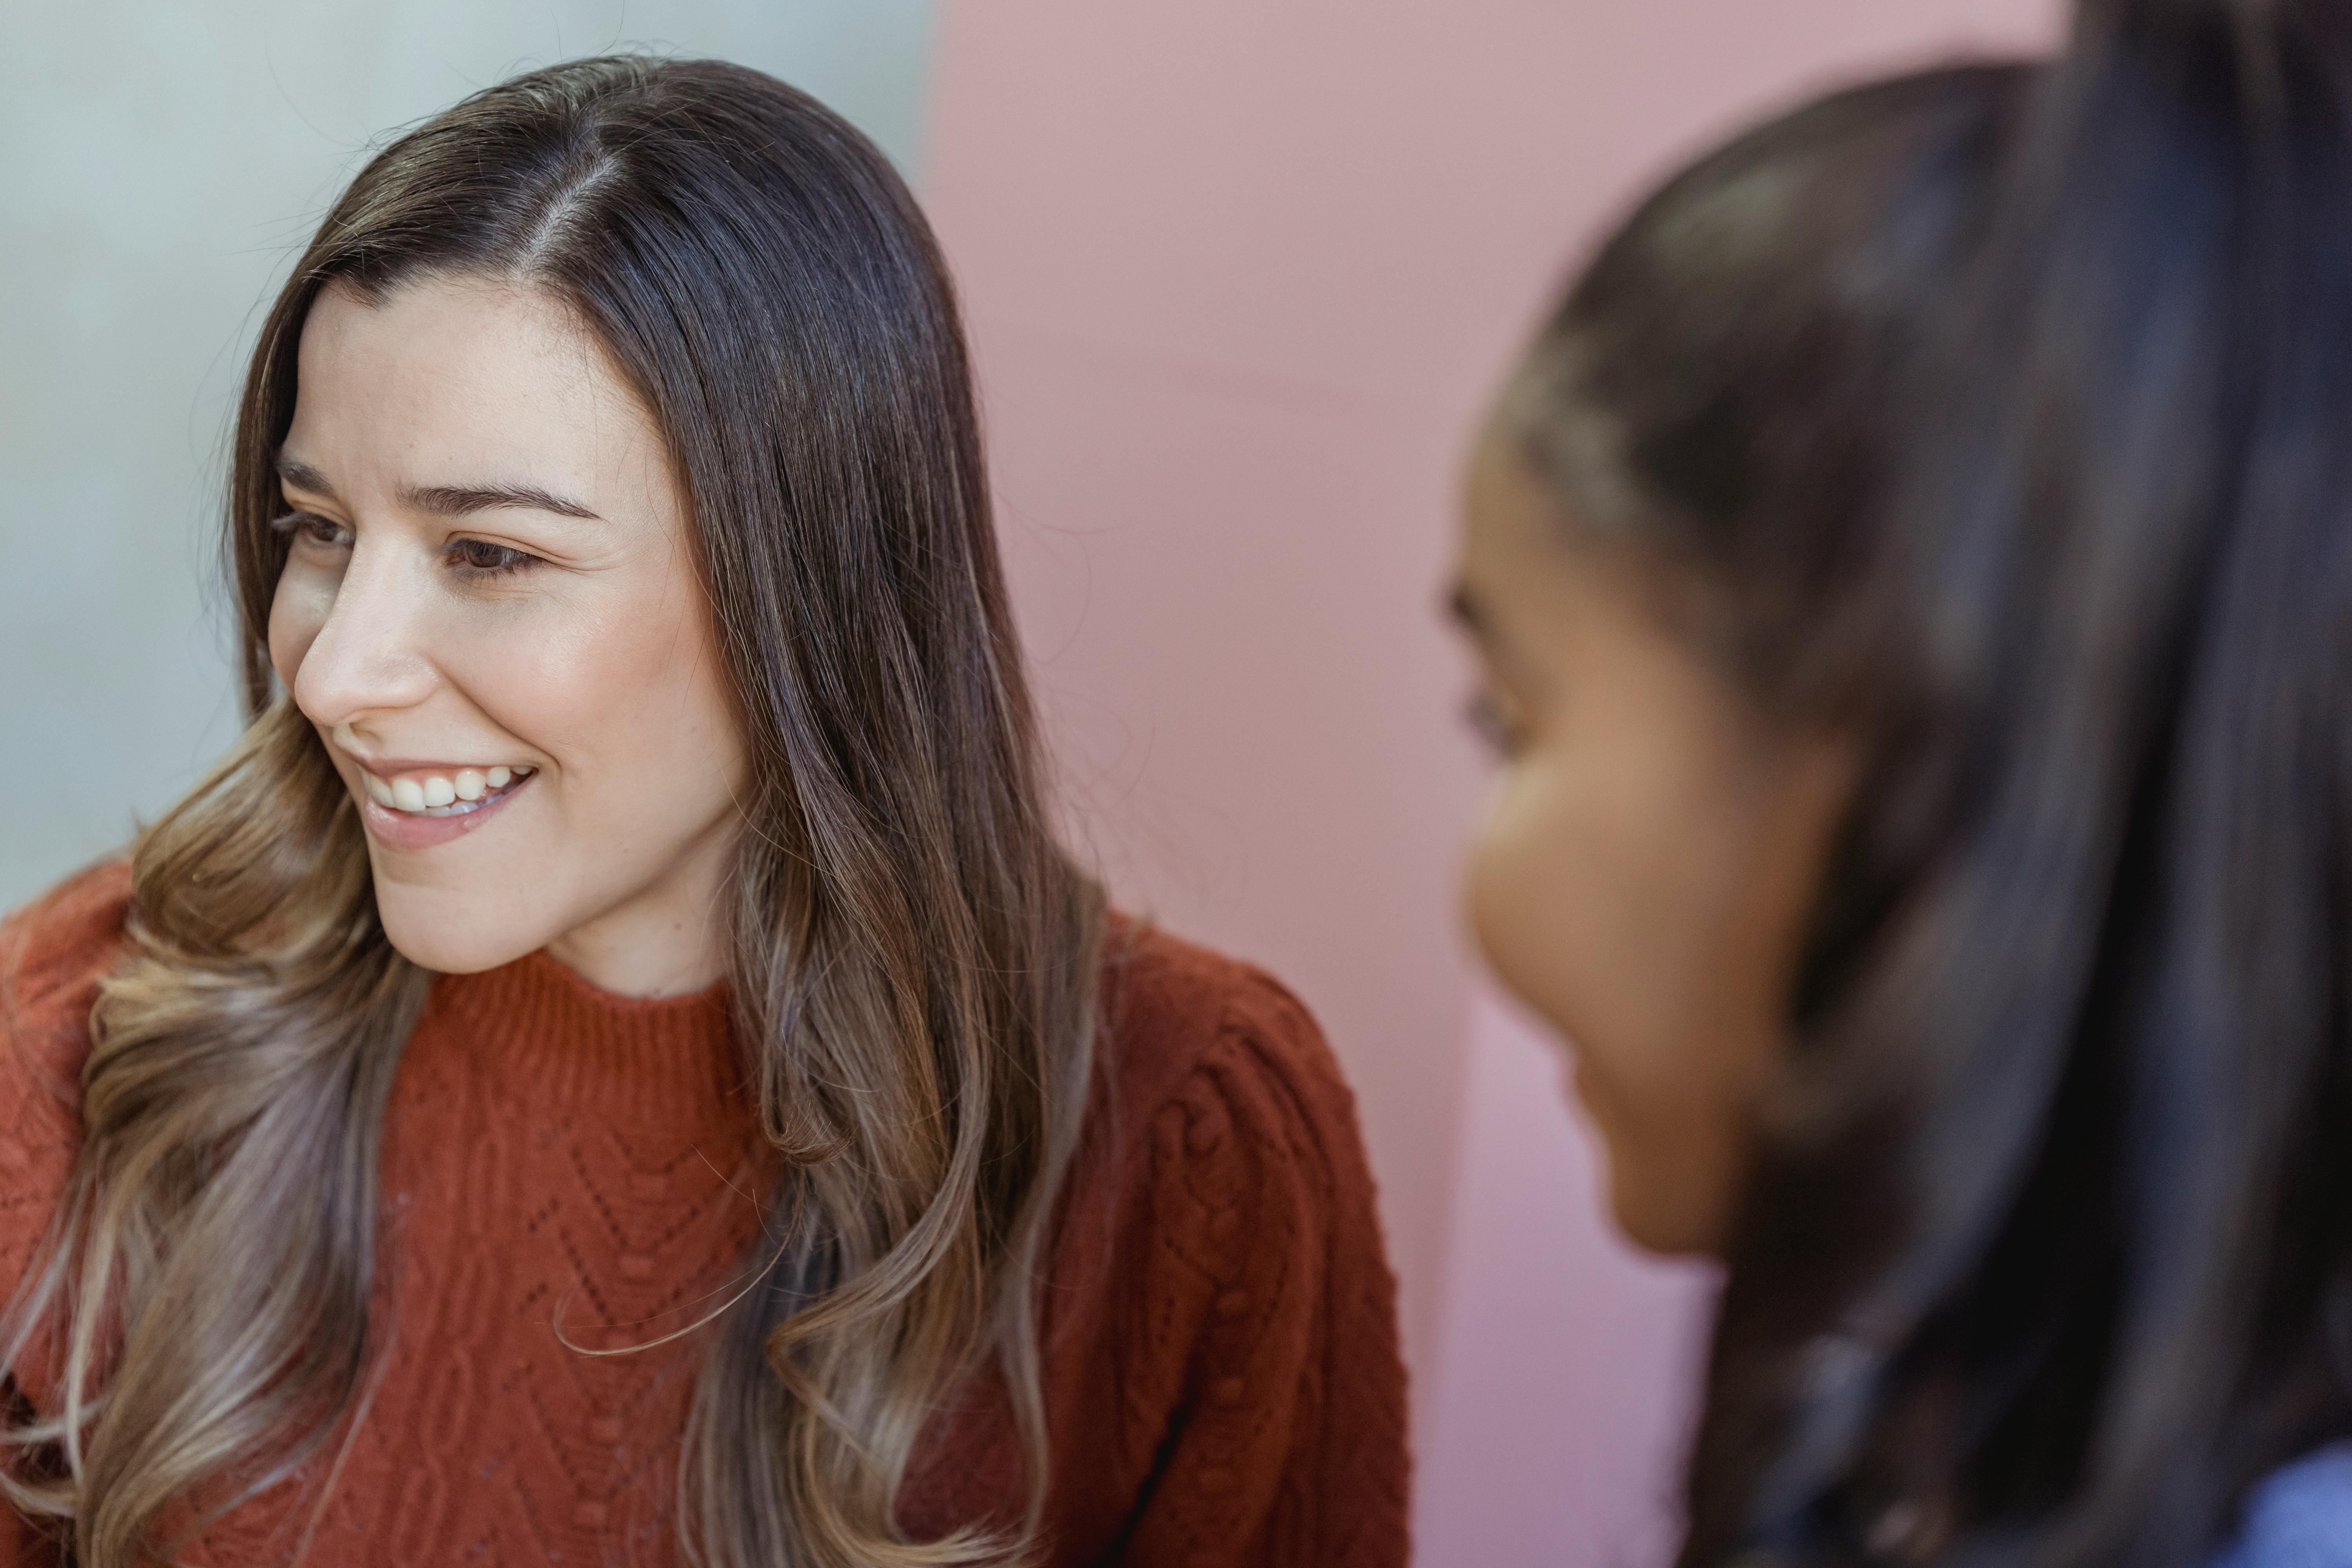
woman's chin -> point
(1665, 1223)
(419, 934)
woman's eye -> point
(480, 558)
(309, 528)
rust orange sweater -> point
(1222, 1377)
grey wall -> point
(161, 164)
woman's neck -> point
(669, 939)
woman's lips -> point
(407, 830)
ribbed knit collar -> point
(667, 1065)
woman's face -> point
(492, 616)
(1644, 872)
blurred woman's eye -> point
(480, 558)
(309, 528)
(1489, 717)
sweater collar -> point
(663, 1064)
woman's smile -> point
(438, 815)
(411, 804)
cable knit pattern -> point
(1222, 1378)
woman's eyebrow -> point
(444, 501)
(302, 475)
(458, 500)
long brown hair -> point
(2001, 418)
(913, 959)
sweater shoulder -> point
(1218, 1087)
(1222, 1377)
(1174, 1010)
(54, 952)
(1250, 1305)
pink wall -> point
(1240, 275)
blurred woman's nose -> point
(371, 653)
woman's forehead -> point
(463, 384)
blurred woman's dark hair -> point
(2001, 418)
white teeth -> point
(436, 794)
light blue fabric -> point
(2300, 1518)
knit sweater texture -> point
(1222, 1380)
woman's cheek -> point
(1515, 898)
(1555, 924)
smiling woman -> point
(614, 1067)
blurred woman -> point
(1912, 574)
(614, 1067)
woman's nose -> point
(371, 654)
